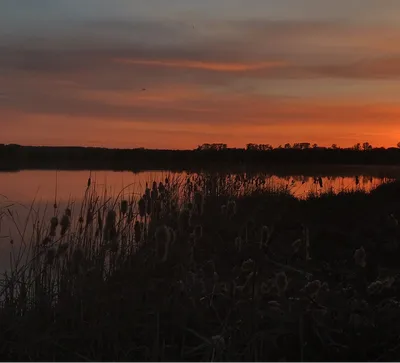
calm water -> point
(18, 190)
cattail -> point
(65, 224)
(360, 257)
(89, 217)
(184, 220)
(109, 228)
(99, 221)
(110, 219)
(46, 241)
(54, 222)
(124, 207)
(138, 231)
(154, 194)
(78, 257)
(89, 182)
(62, 248)
(198, 232)
(80, 220)
(130, 215)
(50, 255)
(147, 194)
(142, 207)
(161, 188)
(281, 282)
(68, 212)
(149, 206)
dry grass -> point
(207, 269)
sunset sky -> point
(72, 72)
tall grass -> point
(205, 268)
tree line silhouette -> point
(17, 157)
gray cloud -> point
(38, 74)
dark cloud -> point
(37, 78)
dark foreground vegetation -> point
(208, 270)
(15, 157)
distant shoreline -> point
(311, 161)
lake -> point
(41, 189)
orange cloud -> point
(235, 121)
(206, 65)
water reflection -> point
(28, 197)
(62, 186)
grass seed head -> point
(50, 256)
(142, 207)
(124, 207)
(138, 231)
(65, 224)
(54, 222)
(62, 249)
(110, 219)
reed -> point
(204, 269)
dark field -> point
(281, 161)
(208, 270)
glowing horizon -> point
(159, 76)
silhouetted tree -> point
(301, 145)
(398, 145)
(366, 146)
(288, 146)
(214, 147)
(357, 146)
(334, 147)
(315, 146)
